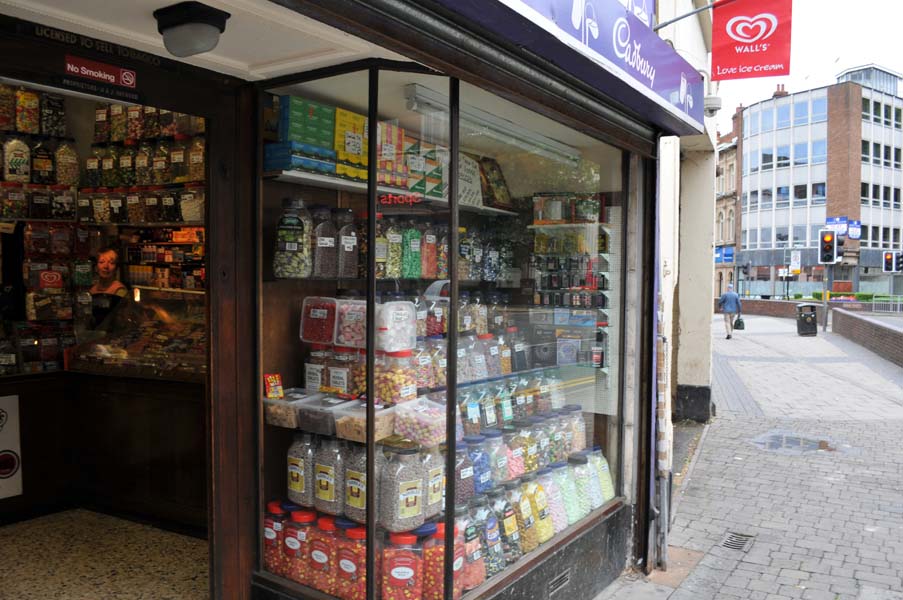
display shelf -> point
(166, 224)
(571, 289)
(605, 226)
(347, 185)
(34, 220)
(165, 289)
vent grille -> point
(559, 583)
(737, 541)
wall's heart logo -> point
(752, 29)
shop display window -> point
(459, 262)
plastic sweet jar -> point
(273, 538)
(574, 427)
(562, 477)
(529, 445)
(543, 396)
(341, 372)
(505, 352)
(300, 460)
(498, 456)
(540, 434)
(396, 326)
(595, 486)
(474, 572)
(323, 556)
(598, 460)
(395, 380)
(316, 374)
(486, 399)
(579, 473)
(496, 313)
(292, 256)
(523, 512)
(539, 504)
(437, 317)
(438, 349)
(351, 560)
(297, 537)
(464, 480)
(325, 256)
(516, 449)
(329, 477)
(492, 354)
(475, 357)
(433, 481)
(434, 565)
(402, 568)
(556, 390)
(520, 351)
(492, 537)
(554, 499)
(429, 252)
(501, 397)
(557, 448)
(355, 489)
(465, 316)
(346, 238)
(423, 365)
(401, 490)
(507, 520)
(476, 450)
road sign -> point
(854, 230)
(783, 272)
(795, 260)
(837, 224)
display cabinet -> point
(439, 316)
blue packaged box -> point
(281, 149)
(289, 162)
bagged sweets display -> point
(151, 122)
(102, 123)
(53, 115)
(118, 123)
(67, 164)
(134, 122)
(16, 160)
(7, 107)
(28, 111)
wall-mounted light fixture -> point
(190, 28)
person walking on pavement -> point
(729, 303)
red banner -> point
(98, 71)
(751, 38)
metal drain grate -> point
(559, 583)
(737, 541)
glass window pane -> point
(783, 156)
(819, 151)
(781, 236)
(783, 197)
(783, 116)
(819, 109)
(801, 111)
(766, 200)
(800, 195)
(767, 120)
(801, 153)
(866, 151)
(799, 235)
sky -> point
(829, 36)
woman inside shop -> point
(107, 290)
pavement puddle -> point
(794, 444)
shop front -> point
(378, 328)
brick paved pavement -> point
(828, 523)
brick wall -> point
(844, 161)
(787, 308)
(868, 333)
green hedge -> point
(816, 295)
(865, 296)
(797, 296)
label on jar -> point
(394, 238)
(100, 115)
(507, 411)
(196, 157)
(400, 316)
(125, 161)
(493, 350)
(416, 163)
(521, 400)
(108, 164)
(497, 319)
(36, 199)
(410, 495)
(319, 555)
(430, 239)
(160, 163)
(485, 476)
(348, 242)
(408, 391)
(132, 200)
(381, 249)
(519, 347)
(150, 200)
(509, 525)
(269, 533)
(353, 316)
(66, 159)
(544, 443)
(462, 352)
(338, 379)
(313, 377)
(288, 246)
(319, 313)
(479, 359)
(295, 474)
(542, 505)
(424, 360)
(467, 473)
(421, 315)
(473, 411)
(325, 478)
(501, 463)
(42, 164)
(490, 415)
(443, 363)
(115, 203)
(293, 544)
(347, 563)
(526, 513)
(415, 245)
(326, 242)
(493, 535)
(168, 201)
(438, 312)
(466, 320)
(532, 449)
(354, 142)
(150, 110)
(356, 489)
(517, 452)
(134, 112)
(141, 161)
(402, 569)
(92, 164)
(115, 110)
(435, 477)
(84, 203)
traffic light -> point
(898, 262)
(889, 266)
(827, 247)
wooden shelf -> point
(605, 226)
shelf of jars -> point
(169, 289)
(554, 226)
(391, 197)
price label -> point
(354, 142)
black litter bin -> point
(807, 319)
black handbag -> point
(739, 325)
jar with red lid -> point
(402, 568)
(434, 565)
(273, 538)
(396, 378)
(323, 556)
(297, 538)
(351, 558)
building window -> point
(766, 200)
(767, 159)
(783, 116)
(753, 200)
(753, 240)
(754, 124)
(876, 195)
(876, 237)
(864, 193)
(720, 225)
(885, 237)
(876, 111)
(876, 153)
(721, 185)
(896, 236)
(887, 151)
(746, 126)
(799, 236)
(801, 112)
(864, 240)
(896, 197)
(887, 115)
(754, 163)
(765, 237)
(783, 197)
(819, 109)
(799, 195)
(780, 237)
(866, 108)
(819, 151)
(767, 120)
(745, 165)
(744, 202)
(818, 193)
(886, 197)
(730, 225)
(801, 153)
(898, 118)
(866, 155)
(783, 156)
(743, 239)
(814, 232)
(896, 158)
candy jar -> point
(118, 123)
(423, 365)
(595, 486)
(515, 449)
(297, 533)
(273, 539)
(318, 320)
(394, 249)
(501, 397)
(178, 158)
(351, 326)
(160, 163)
(316, 374)
(465, 315)
(341, 368)
(554, 498)
(520, 351)
(486, 400)
(329, 477)
(292, 257)
(465, 254)
(43, 164)
(28, 111)
(482, 473)
(498, 456)
(600, 463)
(464, 480)
(442, 255)
(380, 247)
(507, 520)
(396, 325)
(474, 571)
(67, 167)
(351, 558)
(525, 441)
(469, 406)
(395, 380)
(301, 469)
(523, 513)
(579, 473)
(493, 357)
(556, 390)
(433, 482)
(574, 427)
(542, 516)
(429, 244)
(480, 313)
(402, 568)
(491, 532)
(540, 433)
(438, 349)
(346, 241)
(434, 565)
(474, 364)
(325, 257)
(401, 490)
(437, 317)
(421, 310)
(144, 156)
(557, 446)
(496, 313)
(323, 567)
(568, 489)
(524, 403)
(411, 253)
